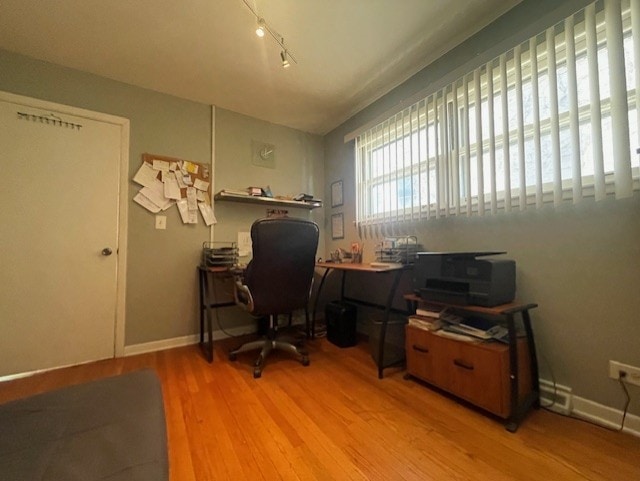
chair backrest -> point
(281, 272)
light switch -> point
(161, 222)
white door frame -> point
(123, 196)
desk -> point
(519, 405)
(206, 305)
(396, 270)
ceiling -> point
(349, 52)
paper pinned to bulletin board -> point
(167, 181)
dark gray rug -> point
(111, 429)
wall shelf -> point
(268, 201)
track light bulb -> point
(285, 61)
(260, 29)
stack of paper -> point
(473, 326)
(428, 316)
(427, 323)
(434, 317)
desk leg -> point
(412, 306)
(533, 357)
(385, 320)
(201, 275)
(344, 277)
(208, 348)
(315, 304)
(512, 424)
(520, 407)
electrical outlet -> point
(632, 373)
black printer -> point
(464, 278)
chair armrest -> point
(242, 295)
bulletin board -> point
(166, 181)
(203, 173)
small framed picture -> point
(337, 226)
(336, 194)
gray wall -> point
(299, 167)
(580, 264)
(162, 294)
(161, 276)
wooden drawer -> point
(478, 373)
(423, 359)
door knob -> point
(107, 251)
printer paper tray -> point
(446, 297)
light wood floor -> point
(336, 420)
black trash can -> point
(340, 318)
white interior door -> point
(59, 193)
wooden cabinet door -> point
(424, 359)
(477, 375)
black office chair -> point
(278, 280)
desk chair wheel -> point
(258, 366)
(304, 356)
(233, 356)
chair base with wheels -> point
(268, 344)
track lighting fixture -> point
(263, 27)
(285, 61)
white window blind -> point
(552, 121)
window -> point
(531, 127)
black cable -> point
(555, 391)
(215, 296)
(257, 318)
(626, 405)
(588, 421)
(222, 328)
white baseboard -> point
(568, 404)
(146, 347)
(153, 346)
(605, 415)
(11, 377)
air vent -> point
(555, 397)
